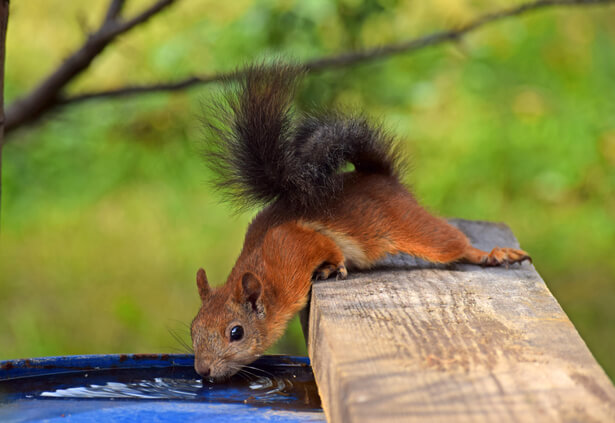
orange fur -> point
(375, 215)
(318, 222)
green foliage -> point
(107, 213)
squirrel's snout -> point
(202, 369)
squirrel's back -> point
(262, 153)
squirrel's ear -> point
(251, 290)
(202, 284)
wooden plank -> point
(464, 344)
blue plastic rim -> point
(28, 367)
(29, 390)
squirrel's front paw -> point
(341, 272)
(505, 256)
(326, 270)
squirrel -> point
(318, 220)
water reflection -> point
(288, 389)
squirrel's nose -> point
(202, 369)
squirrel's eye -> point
(236, 333)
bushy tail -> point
(262, 154)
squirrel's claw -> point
(505, 256)
(341, 272)
(323, 272)
(326, 270)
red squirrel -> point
(318, 221)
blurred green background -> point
(106, 210)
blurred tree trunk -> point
(4, 19)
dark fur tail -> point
(262, 154)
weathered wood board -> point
(465, 344)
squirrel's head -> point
(229, 329)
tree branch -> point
(21, 112)
(344, 59)
(44, 97)
(121, 27)
(114, 9)
(442, 36)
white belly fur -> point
(354, 256)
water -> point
(148, 387)
(284, 389)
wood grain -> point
(413, 342)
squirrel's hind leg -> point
(435, 240)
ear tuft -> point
(202, 284)
(251, 290)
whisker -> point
(250, 373)
(240, 372)
(181, 342)
(249, 377)
(176, 350)
(244, 377)
(260, 370)
(186, 349)
(181, 323)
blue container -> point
(152, 387)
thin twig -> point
(142, 89)
(125, 26)
(44, 97)
(114, 10)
